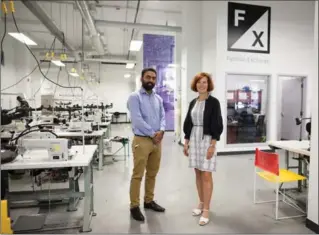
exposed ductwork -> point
(117, 24)
(34, 7)
(152, 27)
(89, 21)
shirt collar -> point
(143, 91)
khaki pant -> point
(147, 156)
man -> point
(22, 102)
(148, 124)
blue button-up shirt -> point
(147, 113)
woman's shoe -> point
(203, 221)
(198, 211)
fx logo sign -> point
(248, 28)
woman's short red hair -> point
(199, 77)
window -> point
(246, 108)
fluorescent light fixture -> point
(130, 65)
(136, 45)
(58, 63)
(262, 81)
(74, 74)
(172, 66)
(22, 38)
(127, 75)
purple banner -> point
(158, 53)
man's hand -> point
(210, 152)
(158, 137)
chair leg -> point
(255, 179)
(277, 200)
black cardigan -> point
(213, 121)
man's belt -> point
(143, 136)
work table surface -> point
(296, 146)
(39, 159)
(79, 134)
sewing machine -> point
(58, 149)
(14, 126)
(76, 126)
(46, 119)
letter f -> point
(237, 17)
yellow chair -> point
(268, 163)
(5, 220)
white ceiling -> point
(68, 19)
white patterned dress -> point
(198, 145)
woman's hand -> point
(186, 147)
(210, 152)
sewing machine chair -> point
(116, 116)
(247, 128)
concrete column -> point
(191, 59)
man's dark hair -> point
(148, 70)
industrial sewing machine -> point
(58, 149)
(46, 119)
(76, 126)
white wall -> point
(209, 37)
(291, 52)
(16, 65)
(313, 169)
(191, 58)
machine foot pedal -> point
(29, 223)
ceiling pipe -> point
(37, 11)
(117, 24)
(111, 59)
(89, 21)
(59, 50)
(119, 7)
(153, 27)
(87, 57)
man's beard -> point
(148, 86)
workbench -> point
(100, 135)
(39, 159)
(294, 147)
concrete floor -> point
(232, 205)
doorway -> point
(292, 94)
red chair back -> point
(267, 161)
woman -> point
(203, 126)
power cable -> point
(36, 66)
(15, 23)
(4, 35)
(46, 73)
(24, 77)
(57, 81)
(51, 47)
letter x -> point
(258, 38)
